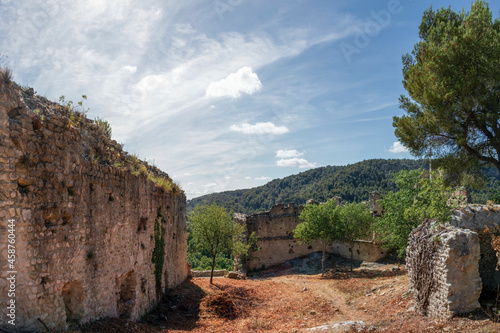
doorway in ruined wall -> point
(73, 296)
(126, 287)
(488, 265)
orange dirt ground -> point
(282, 302)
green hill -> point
(351, 182)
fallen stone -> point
(340, 327)
(236, 275)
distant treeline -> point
(351, 182)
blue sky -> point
(225, 94)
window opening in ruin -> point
(73, 295)
(142, 224)
(126, 286)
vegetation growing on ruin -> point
(111, 152)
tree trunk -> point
(323, 259)
(352, 253)
(212, 273)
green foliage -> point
(77, 113)
(104, 125)
(355, 222)
(158, 257)
(213, 231)
(418, 198)
(161, 182)
(330, 222)
(352, 183)
(453, 80)
(320, 223)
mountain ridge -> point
(352, 182)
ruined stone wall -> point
(274, 230)
(485, 221)
(84, 229)
(464, 264)
(365, 250)
(443, 269)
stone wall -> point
(364, 250)
(84, 225)
(464, 266)
(485, 221)
(443, 269)
(274, 230)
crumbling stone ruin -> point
(93, 236)
(375, 204)
(453, 265)
(274, 230)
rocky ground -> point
(295, 297)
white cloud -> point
(243, 81)
(288, 153)
(130, 69)
(248, 178)
(295, 162)
(263, 178)
(397, 147)
(260, 128)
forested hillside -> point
(351, 182)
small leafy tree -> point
(213, 231)
(355, 223)
(418, 198)
(244, 248)
(319, 225)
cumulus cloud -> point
(263, 178)
(259, 128)
(288, 153)
(295, 162)
(397, 147)
(243, 81)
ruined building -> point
(451, 266)
(274, 229)
(96, 232)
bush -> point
(6, 74)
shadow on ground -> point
(336, 268)
(179, 308)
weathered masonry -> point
(462, 261)
(93, 236)
(274, 230)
